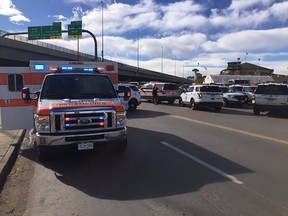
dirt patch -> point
(15, 193)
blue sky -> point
(174, 36)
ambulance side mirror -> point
(26, 95)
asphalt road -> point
(178, 162)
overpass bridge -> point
(18, 51)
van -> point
(167, 92)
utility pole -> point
(102, 52)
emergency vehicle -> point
(166, 92)
(69, 104)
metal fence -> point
(46, 45)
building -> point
(238, 68)
(237, 79)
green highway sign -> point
(34, 33)
(45, 32)
(75, 29)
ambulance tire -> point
(43, 155)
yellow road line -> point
(274, 139)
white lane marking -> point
(222, 173)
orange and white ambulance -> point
(69, 104)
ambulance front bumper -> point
(72, 139)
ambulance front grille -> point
(65, 121)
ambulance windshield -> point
(77, 86)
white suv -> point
(270, 97)
(202, 96)
(133, 94)
(231, 97)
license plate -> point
(85, 146)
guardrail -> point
(44, 44)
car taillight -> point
(253, 98)
(199, 94)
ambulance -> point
(70, 105)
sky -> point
(173, 37)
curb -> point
(10, 157)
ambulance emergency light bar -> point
(63, 69)
(70, 67)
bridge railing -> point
(46, 45)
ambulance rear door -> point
(14, 113)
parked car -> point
(270, 97)
(167, 92)
(133, 94)
(202, 96)
(231, 97)
(248, 90)
(135, 83)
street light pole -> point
(162, 61)
(102, 52)
(137, 51)
(175, 65)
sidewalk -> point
(10, 141)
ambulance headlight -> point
(121, 119)
(42, 123)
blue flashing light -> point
(67, 125)
(39, 67)
(88, 69)
(101, 117)
(66, 68)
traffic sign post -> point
(75, 29)
(45, 32)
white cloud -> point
(18, 19)
(280, 11)
(250, 40)
(244, 5)
(7, 8)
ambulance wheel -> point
(43, 155)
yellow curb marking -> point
(274, 139)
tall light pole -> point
(137, 51)
(175, 65)
(102, 52)
(162, 61)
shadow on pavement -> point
(146, 170)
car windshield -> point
(77, 87)
(224, 89)
(170, 87)
(236, 88)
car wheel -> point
(217, 109)
(193, 105)
(239, 104)
(225, 102)
(171, 101)
(256, 111)
(132, 105)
